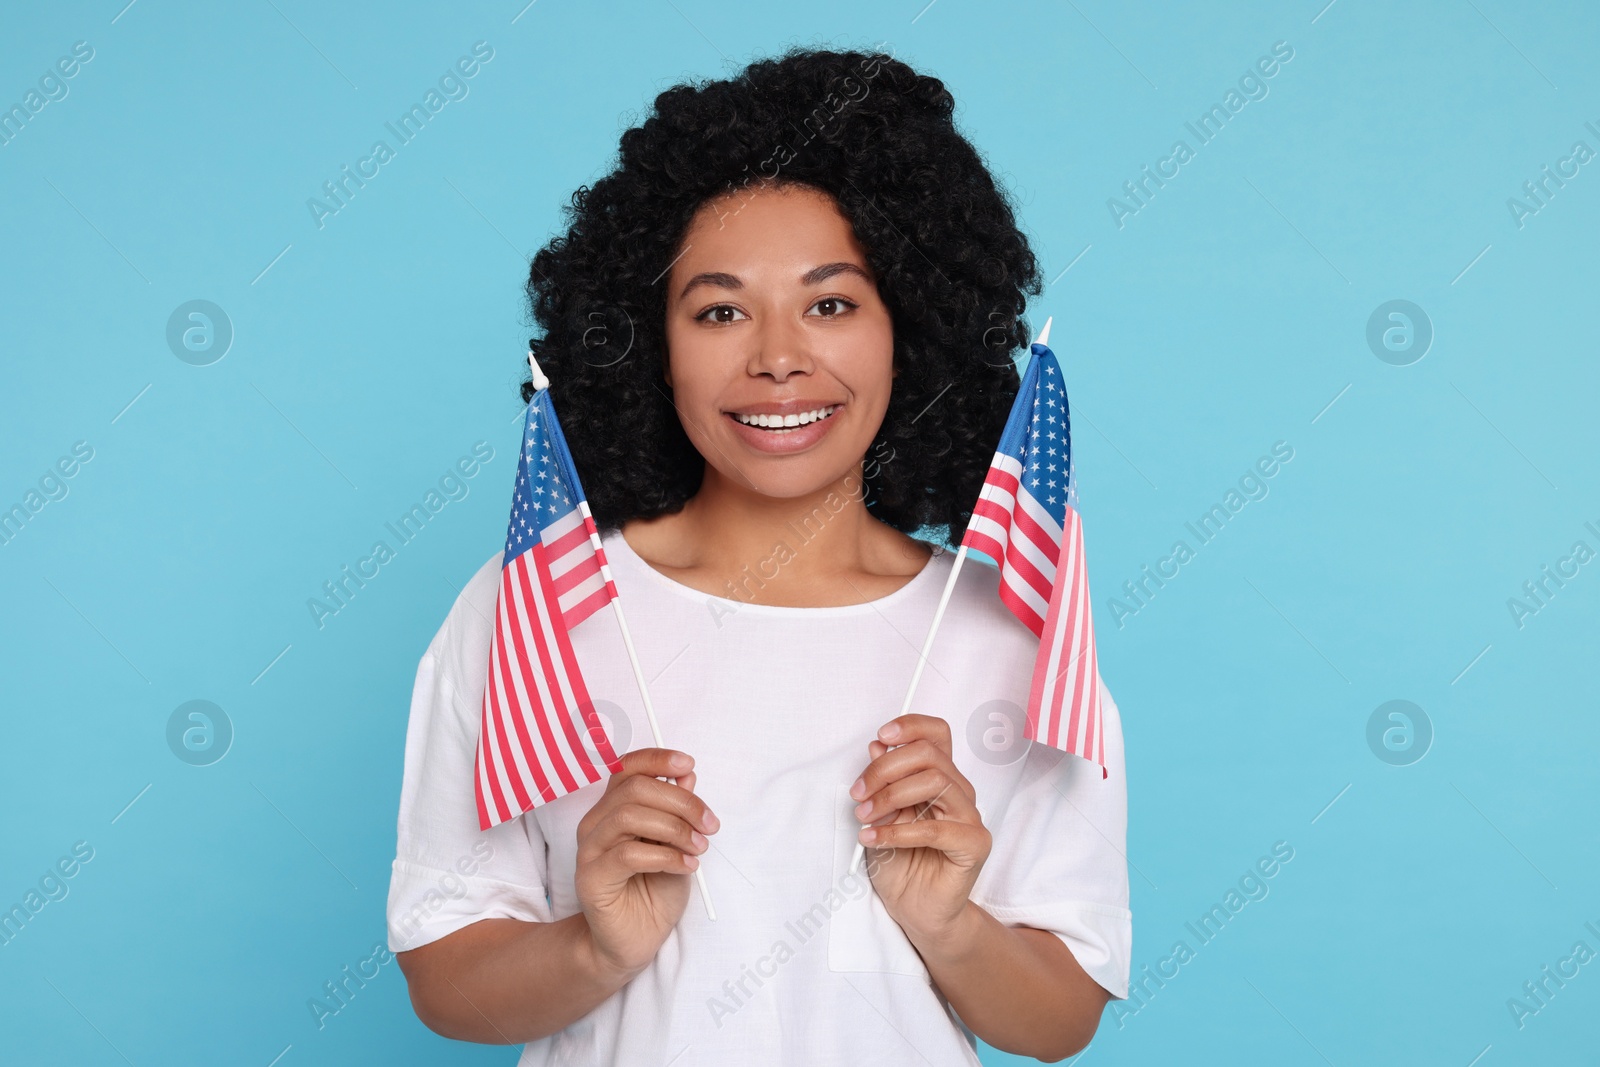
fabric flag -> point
(1026, 520)
(541, 737)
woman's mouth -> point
(785, 423)
(785, 433)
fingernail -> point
(698, 838)
(680, 761)
(864, 810)
(859, 790)
(868, 834)
(711, 822)
(890, 732)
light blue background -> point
(1229, 313)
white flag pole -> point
(655, 731)
(541, 382)
(938, 616)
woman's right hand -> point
(636, 848)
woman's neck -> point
(821, 549)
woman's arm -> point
(1018, 988)
(506, 981)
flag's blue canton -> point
(1043, 442)
(547, 485)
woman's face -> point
(773, 316)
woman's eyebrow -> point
(724, 280)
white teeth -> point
(785, 422)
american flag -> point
(541, 737)
(1026, 520)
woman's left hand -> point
(927, 842)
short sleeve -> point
(1058, 858)
(447, 873)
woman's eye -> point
(838, 304)
(714, 314)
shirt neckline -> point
(617, 547)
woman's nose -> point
(779, 349)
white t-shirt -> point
(803, 965)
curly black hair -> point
(941, 237)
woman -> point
(779, 336)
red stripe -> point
(568, 541)
(596, 728)
(484, 819)
(485, 751)
(1021, 608)
(492, 706)
(508, 761)
(541, 715)
(1087, 692)
(1071, 625)
(983, 543)
(569, 668)
(1038, 534)
(589, 605)
(1037, 694)
(1025, 568)
(577, 575)
(518, 724)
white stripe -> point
(1029, 549)
(1036, 511)
(1057, 640)
(531, 616)
(1091, 675)
(519, 759)
(1075, 660)
(563, 562)
(1025, 590)
(1008, 463)
(582, 591)
(984, 525)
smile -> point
(785, 423)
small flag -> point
(1026, 520)
(541, 737)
